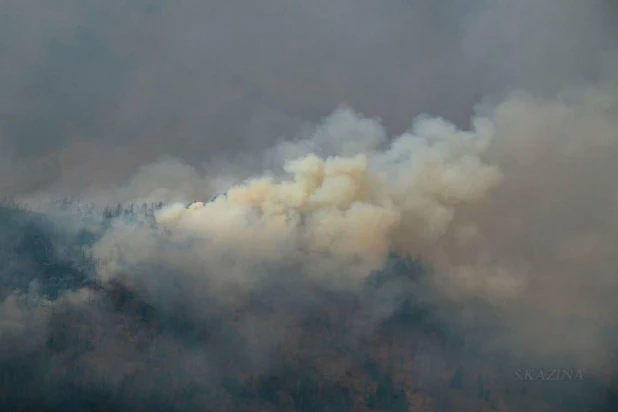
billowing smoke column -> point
(349, 212)
(500, 213)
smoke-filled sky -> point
(91, 90)
(479, 139)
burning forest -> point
(271, 221)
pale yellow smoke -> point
(345, 214)
(521, 212)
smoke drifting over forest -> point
(334, 181)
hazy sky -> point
(91, 89)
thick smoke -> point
(517, 212)
(354, 209)
(284, 249)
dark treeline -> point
(88, 208)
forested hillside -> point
(120, 351)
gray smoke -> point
(87, 85)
